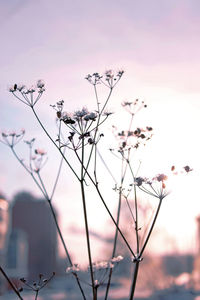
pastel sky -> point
(156, 42)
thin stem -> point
(45, 194)
(129, 207)
(36, 294)
(136, 208)
(59, 232)
(20, 161)
(136, 220)
(104, 106)
(87, 237)
(43, 186)
(146, 229)
(21, 99)
(95, 292)
(57, 177)
(115, 243)
(122, 235)
(97, 98)
(103, 161)
(151, 229)
(69, 165)
(135, 274)
(65, 247)
(97, 127)
(123, 173)
(79, 285)
(86, 222)
(10, 282)
(95, 164)
(102, 199)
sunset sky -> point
(157, 43)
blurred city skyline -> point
(157, 44)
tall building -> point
(17, 255)
(4, 234)
(196, 271)
(33, 229)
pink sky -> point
(158, 45)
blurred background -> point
(157, 44)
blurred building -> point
(33, 242)
(4, 234)
(196, 271)
(17, 255)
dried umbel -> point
(28, 96)
(134, 107)
(82, 126)
(155, 186)
(132, 139)
(100, 270)
(12, 138)
(109, 78)
(36, 286)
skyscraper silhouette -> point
(33, 216)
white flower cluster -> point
(73, 269)
(117, 259)
(102, 265)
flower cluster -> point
(36, 286)
(101, 269)
(185, 169)
(133, 106)
(58, 108)
(12, 138)
(80, 124)
(109, 78)
(38, 160)
(73, 269)
(117, 259)
(85, 115)
(155, 187)
(132, 139)
(94, 79)
(37, 157)
(28, 96)
(78, 116)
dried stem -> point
(151, 229)
(45, 194)
(10, 282)
(115, 243)
(44, 129)
(135, 274)
(86, 222)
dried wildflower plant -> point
(29, 96)
(100, 271)
(80, 132)
(36, 286)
